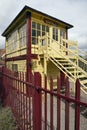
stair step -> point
(74, 72)
(66, 63)
(63, 60)
(72, 67)
(84, 81)
(81, 76)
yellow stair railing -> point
(65, 55)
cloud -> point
(71, 11)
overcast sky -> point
(70, 11)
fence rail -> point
(37, 108)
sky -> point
(70, 11)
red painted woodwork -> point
(29, 110)
(28, 37)
(22, 57)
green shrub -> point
(7, 120)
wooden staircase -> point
(66, 59)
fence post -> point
(37, 102)
(51, 104)
(77, 106)
(67, 105)
(62, 76)
(2, 87)
(58, 102)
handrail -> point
(69, 60)
(68, 50)
(77, 56)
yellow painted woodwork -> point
(55, 52)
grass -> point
(7, 120)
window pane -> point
(47, 29)
(33, 32)
(43, 33)
(38, 26)
(34, 40)
(43, 27)
(33, 25)
(62, 33)
(53, 30)
(55, 34)
(56, 31)
(15, 67)
(38, 33)
(56, 38)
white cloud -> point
(71, 11)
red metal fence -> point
(39, 108)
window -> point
(15, 67)
(12, 41)
(38, 30)
(55, 34)
(62, 33)
(44, 29)
(22, 36)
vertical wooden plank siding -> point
(77, 106)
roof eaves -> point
(26, 8)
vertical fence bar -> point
(51, 104)
(58, 102)
(21, 97)
(45, 114)
(77, 106)
(23, 105)
(37, 102)
(67, 105)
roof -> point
(29, 9)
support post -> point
(28, 44)
(67, 39)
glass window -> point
(43, 27)
(47, 29)
(38, 26)
(33, 25)
(62, 33)
(38, 30)
(34, 32)
(15, 67)
(55, 34)
(22, 35)
(12, 41)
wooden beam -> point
(22, 57)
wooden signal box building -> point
(36, 41)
